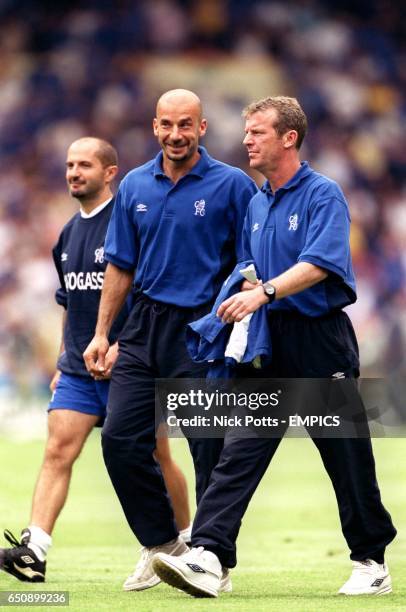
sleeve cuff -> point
(321, 263)
(125, 265)
(61, 298)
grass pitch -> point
(291, 553)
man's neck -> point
(281, 175)
(88, 205)
(175, 170)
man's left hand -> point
(110, 360)
(241, 304)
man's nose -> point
(175, 133)
(73, 171)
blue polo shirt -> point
(305, 220)
(184, 238)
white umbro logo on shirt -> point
(255, 227)
(141, 207)
(64, 256)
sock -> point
(40, 542)
(186, 534)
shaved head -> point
(91, 165)
(103, 150)
(179, 125)
(179, 97)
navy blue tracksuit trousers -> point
(301, 348)
(152, 345)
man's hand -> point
(54, 381)
(111, 359)
(247, 286)
(95, 356)
(241, 304)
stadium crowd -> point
(91, 68)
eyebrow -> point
(187, 118)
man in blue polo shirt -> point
(178, 220)
(297, 233)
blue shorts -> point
(80, 394)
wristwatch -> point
(269, 291)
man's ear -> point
(203, 127)
(155, 126)
(110, 173)
(290, 139)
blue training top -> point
(305, 220)
(183, 238)
(80, 263)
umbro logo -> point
(196, 568)
(377, 582)
(255, 227)
(64, 256)
(141, 207)
(27, 559)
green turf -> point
(291, 554)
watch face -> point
(269, 289)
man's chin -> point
(254, 163)
(77, 193)
(177, 157)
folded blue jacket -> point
(207, 338)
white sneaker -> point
(197, 572)
(225, 582)
(368, 578)
(144, 576)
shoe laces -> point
(145, 557)
(11, 539)
(364, 567)
(198, 551)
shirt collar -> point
(199, 169)
(95, 211)
(303, 171)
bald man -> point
(178, 222)
(79, 401)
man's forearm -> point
(299, 277)
(116, 286)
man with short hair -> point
(297, 232)
(78, 402)
(178, 221)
